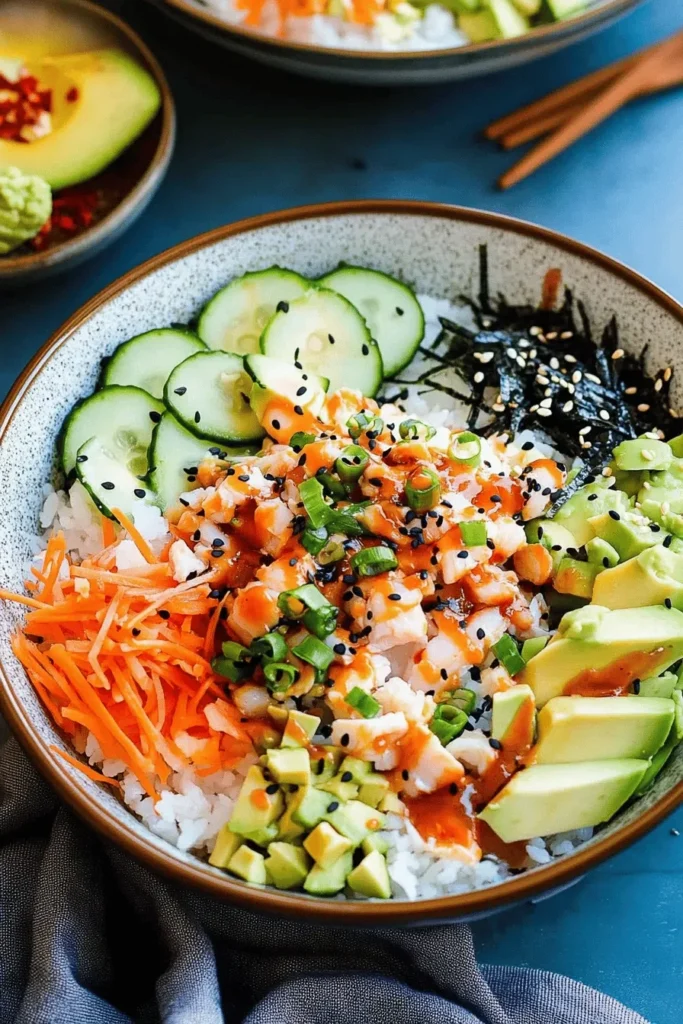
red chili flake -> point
(66, 223)
(72, 94)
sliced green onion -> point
(333, 551)
(271, 647)
(314, 539)
(463, 699)
(300, 439)
(362, 422)
(321, 621)
(507, 652)
(293, 603)
(423, 489)
(351, 463)
(311, 494)
(232, 670)
(332, 485)
(363, 702)
(473, 534)
(416, 430)
(342, 521)
(280, 675)
(448, 722)
(234, 651)
(372, 561)
(466, 448)
(315, 653)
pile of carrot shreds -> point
(126, 656)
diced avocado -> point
(589, 501)
(359, 769)
(528, 7)
(561, 9)
(554, 536)
(509, 21)
(533, 646)
(549, 798)
(602, 728)
(299, 729)
(643, 453)
(650, 578)
(658, 686)
(355, 820)
(326, 845)
(291, 766)
(329, 881)
(309, 806)
(263, 836)
(643, 641)
(629, 483)
(375, 842)
(602, 554)
(669, 521)
(255, 807)
(340, 787)
(514, 712)
(370, 877)
(391, 804)
(287, 865)
(249, 865)
(226, 844)
(288, 829)
(478, 26)
(575, 577)
(278, 714)
(374, 789)
(676, 446)
(325, 766)
(629, 533)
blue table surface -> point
(251, 140)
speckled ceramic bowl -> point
(436, 248)
(382, 67)
(71, 26)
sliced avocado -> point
(676, 446)
(589, 501)
(602, 728)
(375, 842)
(592, 638)
(291, 766)
(657, 763)
(374, 789)
(359, 769)
(528, 7)
(652, 577)
(299, 729)
(309, 806)
(643, 453)
(575, 578)
(555, 537)
(561, 9)
(533, 646)
(514, 712)
(329, 881)
(340, 786)
(325, 766)
(628, 532)
(549, 798)
(509, 21)
(249, 865)
(602, 554)
(355, 820)
(326, 845)
(226, 844)
(255, 807)
(287, 865)
(658, 686)
(370, 877)
(478, 26)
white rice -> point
(192, 809)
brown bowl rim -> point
(31, 262)
(558, 29)
(519, 887)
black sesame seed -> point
(444, 674)
(667, 602)
(480, 634)
(333, 806)
(81, 458)
(282, 307)
(197, 417)
(605, 562)
(463, 554)
(405, 774)
(667, 540)
(139, 492)
(301, 390)
(365, 350)
(272, 789)
(345, 740)
(292, 562)
(347, 777)
(339, 648)
(496, 744)
(298, 410)
(614, 515)
(108, 485)
(394, 597)
(179, 391)
(527, 446)
(636, 685)
(135, 631)
(276, 424)
(330, 339)
(155, 417)
(192, 575)
(163, 614)
(244, 477)
(592, 497)
(196, 535)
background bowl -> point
(381, 67)
(436, 249)
(68, 26)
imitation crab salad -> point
(394, 24)
(365, 594)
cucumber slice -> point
(123, 419)
(326, 335)
(235, 317)
(208, 394)
(275, 379)
(108, 481)
(147, 359)
(391, 311)
(174, 453)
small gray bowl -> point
(81, 25)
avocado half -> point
(102, 101)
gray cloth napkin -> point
(88, 936)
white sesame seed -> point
(498, 407)
(674, 415)
(486, 323)
(646, 485)
(571, 389)
(585, 430)
(567, 334)
(542, 380)
(547, 392)
(668, 373)
(659, 384)
(618, 353)
(534, 331)
(568, 406)
(551, 336)
(546, 403)
(486, 357)
(643, 407)
(544, 412)
(586, 444)
(533, 353)
(520, 361)
(477, 355)
(568, 358)
(647, 454)
(478, 377)
(511, 352)
(631, 391)
(604, 415)
(593, 378)
(523, 343)
(576, 376)
(607, 471)
(534, 408)
(555, 363)
(665, 507)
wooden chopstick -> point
(667, 76)
(628, 84)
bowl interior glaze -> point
(436, 249)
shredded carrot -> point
(30, 602)
(135, 535)
(85, 768)
(108, 532)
